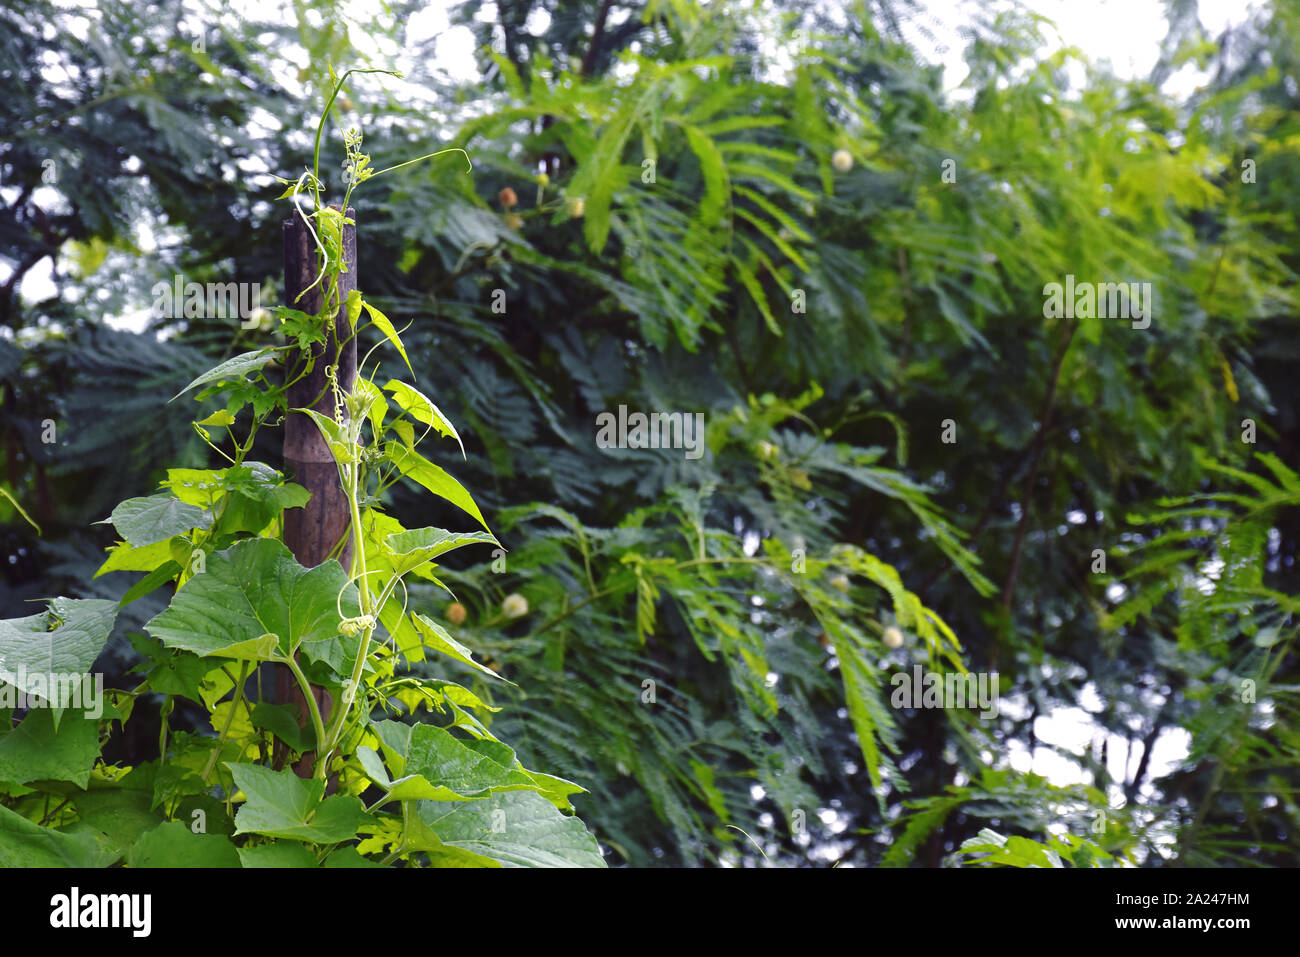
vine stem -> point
(165, 713)
(406, 823)
(314, 708)
(230, 720)
(595, 596)
(453, 149)
(320, 128)
(49, 815)
(330, 740)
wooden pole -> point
(312, 532)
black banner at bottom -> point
(195, 907)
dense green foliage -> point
(242, 601)
(686, 208)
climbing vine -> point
(378, 789)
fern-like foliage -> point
(1216, 602)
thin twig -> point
(1044, 421)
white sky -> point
(1126, 33)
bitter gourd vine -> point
(381, 791)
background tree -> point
(711, 212)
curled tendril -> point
(332, 377)
(320, 245)
(356, 166)
(338, 599)
(406, 597)
(353, 626)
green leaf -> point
(386, 327)
(373, 765)
(399, 627)
(127, 558)
(156, 518)
(281, 804)
(154, 580)
(213, 816)
(457, 694)
(420, 838)
(237, 368)
(775, 239)
(65, 640)
(174, 781)
(174, 845)
(733, 123)
(437, 638)
(377, 410)
(755, 289)
(257, 494)
(749, 170)
(335, 436)
(555, 789)
(219, 418)
(35, 751)
(419, 469)
(204, 487)
(348, 857)
(282, 721)
(599, 173)
(171, 672)
(122, 814)
(410, 549)
(395, 739)
(436, 766)
(354, 308)
(714, 170)
(871, 720)
(8, 497)
(253, 598)
(404, 431)
(516, 829)
(780, 215)
(422, 409)
(25, 843)
(379, 556)
(277, 854)
(337, 652)
(1013, 851)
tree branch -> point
(1157, 725)
(593, 48)
(1044, 422)
(510, 40)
